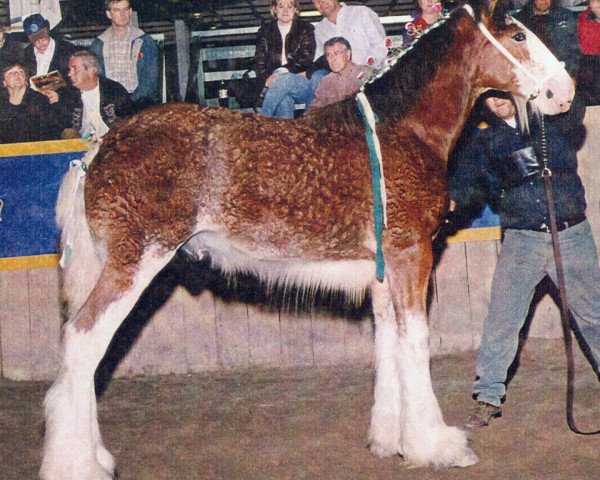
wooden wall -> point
(187, 328)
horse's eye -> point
(519, 37)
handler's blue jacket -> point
(486, 171)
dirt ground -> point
(312, 424)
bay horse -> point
(289, 201)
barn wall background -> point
(188, 328)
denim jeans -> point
(287, 90)
(525, 258)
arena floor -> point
(312, 424)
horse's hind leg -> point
(419, 433)
(73, 448)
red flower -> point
(140, 56)
(370, 61)
(388, 42)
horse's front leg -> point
(403, 390)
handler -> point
(502, 165)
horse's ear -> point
(494, 12)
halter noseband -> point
(537, 82)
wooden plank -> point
(451, 320)
(200, 330)
(328, 338)
(359, 341)
(14, 325)
(45, 323)
(264, 336)
(296, 339)
(160, 343)
(481, 263)
(232, 334)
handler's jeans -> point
(287, 90)
(525, 258)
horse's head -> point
(515, 60)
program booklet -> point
(48, 81)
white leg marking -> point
(384, 432)
(73, 448)
(425, 439)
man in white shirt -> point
(357, 24)
(99, 102)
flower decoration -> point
(370, 61)
(437, 8)
(140, 56)
(387, 42)
(411, 28)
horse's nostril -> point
(549, 94)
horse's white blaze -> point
(543, 75)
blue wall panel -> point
(28, 189)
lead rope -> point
(560, 276)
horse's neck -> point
(439, 117)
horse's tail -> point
(80, 263)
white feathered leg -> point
(406, 417)
(424, 439)
(384, 431)
(73, 448)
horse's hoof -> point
(382, 451)
(467, 458)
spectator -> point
(588, 29)
(345, 78)
(25, 115)
(556, 27)
(285, 47)
(128, 55)
(9, 49)
(503, 164)
(588, 75)
(98, 101)
(359, 25)
(429, 13)
(45, 53)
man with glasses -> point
(345, 78)
(128, 55)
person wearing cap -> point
(502, 164)
(128, 55)
(45, 53)
(95, 102)
(25, 115)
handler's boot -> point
(482, 414)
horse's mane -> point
(394, 93)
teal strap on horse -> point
(377, 180)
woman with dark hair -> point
(25, 115)
(285, 46)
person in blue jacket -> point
(502, 165)
(128, 55)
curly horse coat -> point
(290, 202)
